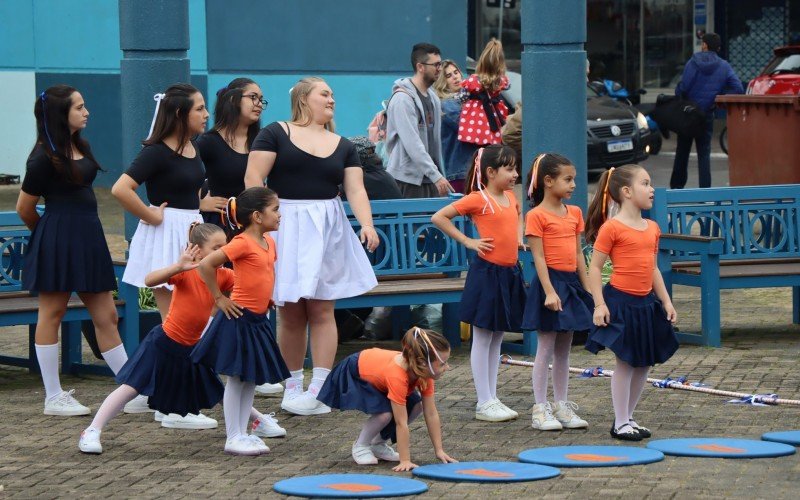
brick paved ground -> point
(39, 455)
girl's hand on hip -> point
(481, 245)
(228, 307)
(156, 215)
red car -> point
(781, 76)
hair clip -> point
(158, 98)
(534, 174)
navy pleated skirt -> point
(163, 370)
(67, 252)
(493, 297)
(346, 390)
(639, 332)
(243, 347)
(576, 304)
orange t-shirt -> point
(191, 305)
(559, 235)
(377, 366)
(633, 254)
(500, 225)
(254, 269)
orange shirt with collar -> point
(558, 234)
(378, 367)
(632, 252)
(501, 225)
(254, 271)
(191, 304)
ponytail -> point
(544, 165)
(607, 198)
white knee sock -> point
(113, 405)
(116, 358)
(318, 377)
(478, 359)
(294, 384)
(620, 392)
(561, 365)
(246, 404)
(372, 427)
(494, 362)
(47, 355)
(231, 400)
(545, 344)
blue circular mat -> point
(721, 447)
(787, 437)
(350, 486)
(591, 456)
(487, 472)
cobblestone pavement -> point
(40, 458)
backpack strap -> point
(406, 92)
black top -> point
(168, 176)
(225, 167)
(42, 179)
(298, 175)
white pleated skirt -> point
(319, 254)
(156, 247)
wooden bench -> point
(728, 238)
(18, 307)
(416, 263)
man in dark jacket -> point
(705, 76)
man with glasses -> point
(413, 128)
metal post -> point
(554, 89)
(154, 38)
(500, 24)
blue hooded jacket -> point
(706, 76)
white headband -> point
(157, 98)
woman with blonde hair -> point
(320, 259)
(484, 113)
(456, 154)
(448, 84)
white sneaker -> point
(384, 451)
(565, 414)
(506, 408)
(137, 405)
(158, 416)
(90, 441)
(543, 418)
(490, 411)
(190, 421)
(242, 445)
(269, 389)
(304, 404)
(259, 444)
(363, 455)
(64, 405)
(267, 427)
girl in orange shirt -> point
(633, 314)
(161, 368)
(239, 341)
(386, 385)
(558, 303)
(493, 299)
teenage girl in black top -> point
(172, 171)
(67, 250)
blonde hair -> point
(301, 114)
(440, 86)
(417, 345)
(491, 66)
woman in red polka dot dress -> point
(484, 112)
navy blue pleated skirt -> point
(576, 304)
(493, 297)
(639, 332)
(162, 370)
(67, 252)
(346, 390)
(243, 347)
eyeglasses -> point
(437, 65)
(257, 100)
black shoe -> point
(643, 431)
(625, 436)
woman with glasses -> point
(224, 148)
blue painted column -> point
(554, 85)
(154, 38)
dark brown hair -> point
(545, 164)
(610, 186)
(173, 113)
(494, 156)
(227, 111)
(239, 210)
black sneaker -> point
(625, 436)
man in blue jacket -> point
(705, 76)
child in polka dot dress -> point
(484, 112)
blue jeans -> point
(681, 164)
